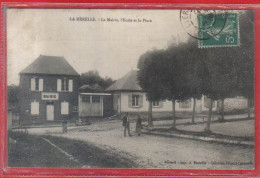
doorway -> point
(50, 111)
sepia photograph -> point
(130, 88)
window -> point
(135, 100)
(90, 99)
(64, 108)
(156, 104)
(85, 99)
(36, 84)
(35, 108)
(95, 99)
(64, 85)
(70, 85)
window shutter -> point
(59, 85)
(40, 84)
(35, 108)
(129, 101)
(140, 101)
(161, 104)
(65, 108)
(70, 85)
(33, 84)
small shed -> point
(94, 102)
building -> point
(93, 102)
(48, 90)
(129, 97)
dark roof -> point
(95, 88)
(127, 82)
(50, 65)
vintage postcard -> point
(130, 88)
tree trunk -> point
(173, 114)
(193, 112)
(248, 108)
(222, 109)
(207, 129)
(150, 114)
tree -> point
(228, 71)
(245, 57)
(222, 77)
(162, 75)
(148, 76)
(176, 70)
(186, 71)
(93, 77)
(194, 56)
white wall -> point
(232, 104)
(166, 106)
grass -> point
(92, 155)
(33, 151)
(25, 150)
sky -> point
(110, 47)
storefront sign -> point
(50, 96)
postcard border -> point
(6, 171)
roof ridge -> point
(127, 82)
(45, 64)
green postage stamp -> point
(218, 30)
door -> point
(91, 106)
(96, 106)
(50, 112)
(85, 106)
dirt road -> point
(159, 152)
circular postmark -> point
(203, 24)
